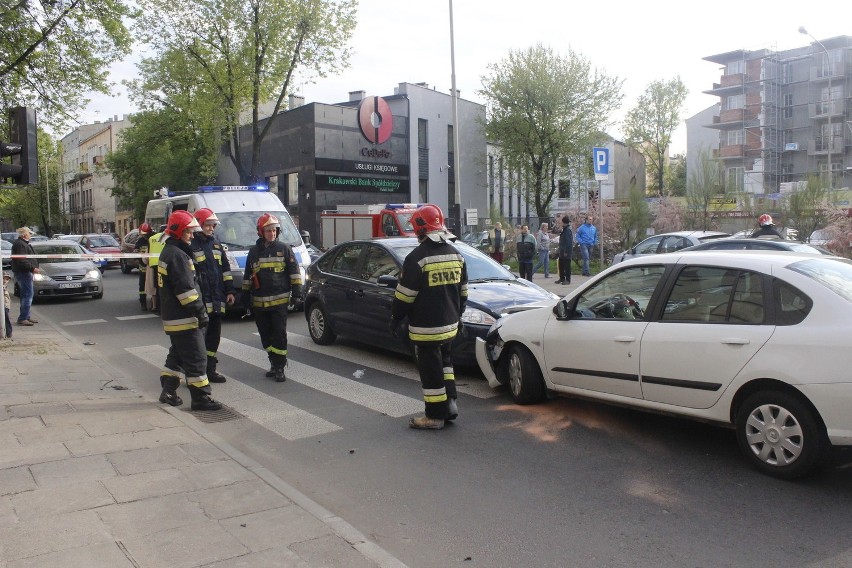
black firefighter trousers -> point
(187, 359)
(437, 378)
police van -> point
(238, 208)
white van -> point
(238, 208)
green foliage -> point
(675, 177)
(52, 53)
(649, 125)
(807, 209)
(541, 107)
(221, 61)
(161, 149)
(702, 186)
(635, 218)
(30, 206)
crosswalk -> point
(293, 423)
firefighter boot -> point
(426, 423)
(169, 394)
(143, 302)
(271, 372)
(201, 399)
(212, 375)
(452, 410)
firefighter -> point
(141, 246)
(217, 284)
(432, 292)
(184, 316)
(155, 246)
(271, 277)
(766, 228)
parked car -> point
(668, 242)
(102, 243)
(758, 342)
(63, 277)
(758, 244)
(7, 250)
(477, 239)
(128, 244)
(350, 288)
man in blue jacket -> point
(587, 237)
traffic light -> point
(23, 147)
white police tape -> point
(87, 256)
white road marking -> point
(84, 322)
(284, 419)
(136, 317)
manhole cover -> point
(222, 415)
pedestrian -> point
(217, 284)
(431, 293)
(525, 246)
(271, 278)
(8, 302)
(587, 237)
(566, 245)
(141, 246)
(497, 242)
(766, 228)
(542, 238)
(24, 269)
(184, 317)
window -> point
(734, 102)
(714, 294)
(622, 295)
(346, 260)
(378, 263)
(788, 105)
(734, 137)
(735, 67)
(734, 180)
(649, 246)
(422, 133)
(791, 305)
(672, 243)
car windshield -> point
(405, 221)
(103, 241)
(835, 274)
(58, 249)
(238, 229)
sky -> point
(639, 42)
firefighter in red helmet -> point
(271, 278)
(766, 228)
(216, 283)
(141, 246)
(432, 293)
(184, 316)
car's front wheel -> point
(318, 325)
(780, 434)
(524, 376)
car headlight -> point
(95, 274)
(478, 317)
(40, 277)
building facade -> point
(784, 115)
(370, 150)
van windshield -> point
(239, 230)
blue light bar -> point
(403, 205)
(217, 188)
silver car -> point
(668, 242)
(65, 276)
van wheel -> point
(318, 325)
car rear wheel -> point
(125, 268)
(779, 434)
(318, 325)
(525, 381)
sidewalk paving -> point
(93, 474)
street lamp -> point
(802, 30)
(456, 149)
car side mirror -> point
(387, 280)
(562, 310)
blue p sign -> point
(600, 159)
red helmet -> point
(765, 220)
(179, 221)
(267, 220)
(427, 219)
(204, 214)
(145, 228)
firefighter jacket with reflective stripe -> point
(432, 292)
(180, 298)
(214, 272)
(271, 274)
(142, 246)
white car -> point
(668, 242)
(754, 340)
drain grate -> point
(224, 414)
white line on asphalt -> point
(270, 412)
(83, 322)
(380, 400)
(136, 317)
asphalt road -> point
(564, 483)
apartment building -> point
(784, 115)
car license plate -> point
(70, 284)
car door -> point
(373, 308)
(713, 322)
(598, 349)
(340, 290)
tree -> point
(541, 107)
(161, 149)
(808, 208)
(649, 125)
(220, 60)
(668, 215)
(634, 218)
(675, 179)
(30, 206)
(53, 53)
(703, 185)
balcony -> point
(728, 152)
(820, 110)
(821, 74)
(819, 146)
(730, 85)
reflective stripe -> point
(180, 324)
(246, 285)
(296, 279)
(272, 349)
(432, 337)
(188, 297)
(433, 333)
(199, 256)
(270, 301)
(404, 294)
(435, 395)
(163, 268)
(166, 372)
(227, 276)
(211, 353)
(449, 374)
(198, 382)
(441, 258)
(273, 263)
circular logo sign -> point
(375, 119)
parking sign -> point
(600, 160)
